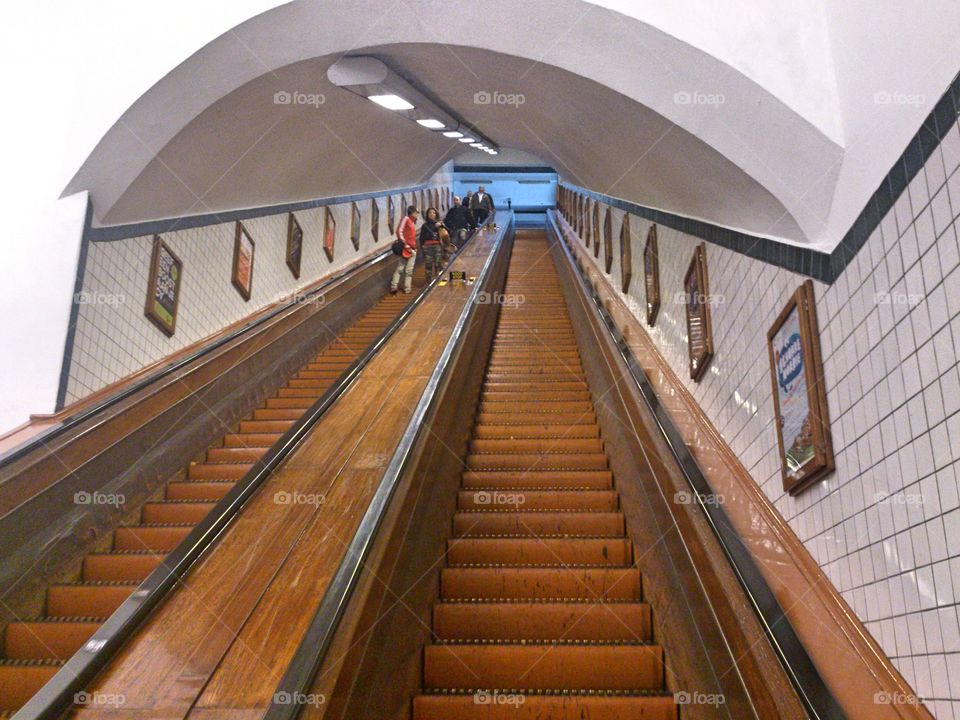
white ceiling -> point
(789, 141)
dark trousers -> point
(481, 215)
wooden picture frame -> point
(329, 233)
(375, 219)
(392, 214)
(626, 254)
(244, 251)
(163, 287)
(696, 292)
(608, 240)
(651, 276)
(294, 245)
(355, 225)
(581, 212)
(799, 396)
(595, 233)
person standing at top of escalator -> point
(407, 234)
(457, 221)
(430, 242)
(470, 216)
(482, 205)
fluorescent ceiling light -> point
(467, 140)
(476, 145)
(431, 123)
(391, 102)
(453, 134)
(494, 152)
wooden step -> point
(526, 499)
(543, 666)
(536, 445)
(93, 599)
(486, 705)
(46, 639)
(537, 461)
(175, 512)
(516, 552)
(532, 479)
(199, 490)
(610, 622)
(265, 426)
(251, 439)
(538, 524)
(218, 471)
(536, 411)
(517, 417)
(20, 681)
(594, 584)
(127, 567)
(159, 538)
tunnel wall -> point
(890, 337)
(112, 338)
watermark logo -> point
(495, 97)
(492, 497)
(285, 97)
(300, 298)
(98, 498)
(899, 498)
(299, 698)
(896, 698)
(99, 298)
(695, 97)
(681, 298)
(685, 697)
(886, 97)
(486, 697)
(298, 498)
(99, 699)
(898, 298)
(687, 497)
(499, 298)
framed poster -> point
(294, 245)
(595, 234)
(329, 233)
(355, 225)
(699, 328)
(375, 219)
(626, 254)
(799, 396)
(422, 205)
(580, 213)
(392, 213)
(585, 222)
(243, 249)
(608, 240)
(163, 287)
(651, 276)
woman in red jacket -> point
(406, 232)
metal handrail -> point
(72, 421)
(309, 656)
(813, 692)
(58, 694)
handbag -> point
(397, 247)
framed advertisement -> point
(355, 225)
(294, 245)
(243, 250)
(329, 233)
(697, 300)
(585, 219)
(163, 287)
(626, 254)
(651, 276)
(799, 396)
(608, 241)
(595, 230)
(375, 219)
(392, 214)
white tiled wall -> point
(885, 526)
(113, 336)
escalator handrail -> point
(297, 680)
(813, 692)
(72, 421)
(58, 694)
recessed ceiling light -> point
(467, 140)
(453, 134)
(431, 123)
(391, 102)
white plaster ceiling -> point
(768, 148)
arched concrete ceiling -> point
(604, 103)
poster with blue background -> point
(794, 400)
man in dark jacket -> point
(482, 205)
(457, 221)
